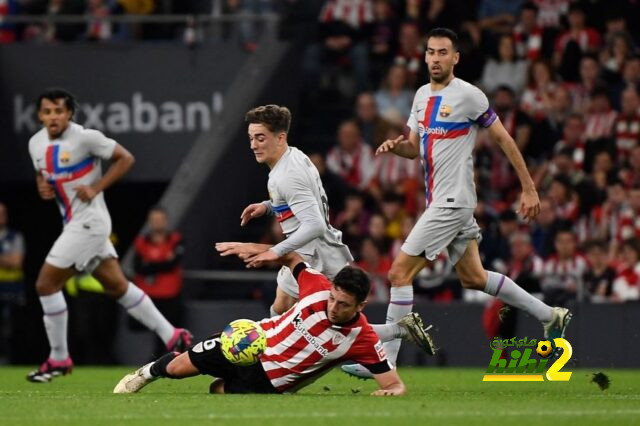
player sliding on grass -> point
(444, 121)
(66, 157)
(325, 328)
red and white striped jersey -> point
(356, 167)
(600, 125)
(302, 344)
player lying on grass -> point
(325, 328)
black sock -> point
(159, 368)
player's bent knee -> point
(180, 366)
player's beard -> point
(444, 76)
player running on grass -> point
(325, 328)
(66, 158)
(444, 120)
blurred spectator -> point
(439, 14)
(600, 118)
(376, 263)
(500, 255)
(393, 214)
(407, 225)
(8, 31)
(618, 50)
(384, 38)
(626, 286)
(411, 53)
(563, 272)
(630, 175)
(546, 132)
(374, 128)
(573, 138)
(528, 34)
(564, 198)
(575, 41)
(589, 81)
(611, 214)
(498, 16)
(394, 99)
(436, 282)
(335, 188)
(626, 130)
(353, 221)
(344, 27)
(630, 218)
(514, 120)
(630, 77)
(351, 158)
(51, 32)
(396, 174)
(550, 12)
(536, 99)
(506, 70)
(543, 230)
(377, 231)
(250, 28)
(98, 28)
(157, 264)
(11, 278)
(598, 279)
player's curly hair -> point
(54, 93)
(275, 117)
(353, 281)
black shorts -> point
(207, 357)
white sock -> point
(388, 332)
(400, 304)
(140, 306)
(512, 294)
(272, 312)
(55, 323)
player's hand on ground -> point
(85, 192)
(252, 211)
(45, 190)
(389, 145)
(529, 205)
(258, 260)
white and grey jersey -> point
(300, 204)
(447, 122)
(71, 160)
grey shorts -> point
(439, 228)
(82, 250)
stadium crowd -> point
(564, 79)
(563, 76)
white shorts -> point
(82, 250)
(439, 228)
(288, 284)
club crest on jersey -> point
(337, 339)
(445, 111)
(65, 157)
(380, 351)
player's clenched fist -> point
(389, 145)
(252, 211)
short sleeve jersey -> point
(447, 122)
(69, 161)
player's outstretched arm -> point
(407, 148)
(529, 202)
(122, 160)
(45, 190)
(242, 250)
(390, 384)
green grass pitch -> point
(441, 396)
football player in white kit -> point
(67, 158)
(444, 120)
(298, 201)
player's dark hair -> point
(54, 93)
(158, 208)
(353, 281)
(529, 5)
(444, 33)
(274, 117)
